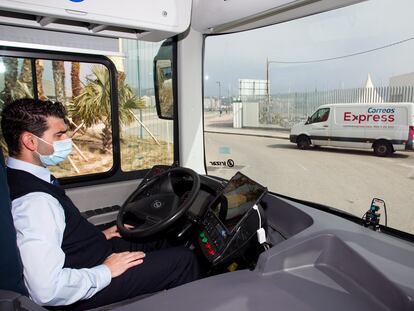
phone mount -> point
(372, 216)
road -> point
(340, 178)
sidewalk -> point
(224, 125)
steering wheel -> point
(157, 204)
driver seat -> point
(13, 292)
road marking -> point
(406, 165)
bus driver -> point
(66, 260)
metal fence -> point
(286, 109)
(147, 125)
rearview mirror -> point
(163, 81)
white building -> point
(406, 79)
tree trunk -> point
(26, 74)
(75, 77)
(106, 138)
(10, 78)
(39, 77)
(59, 79)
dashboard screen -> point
(237, 198)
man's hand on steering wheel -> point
(113, 232)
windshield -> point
(263, 92)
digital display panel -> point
(237, 198)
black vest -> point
(83, 244)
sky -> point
(357, 28)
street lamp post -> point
(267, 82)
(268, 62)
(219, 97)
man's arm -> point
(40, 221)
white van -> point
(385, 127)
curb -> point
(248, 134)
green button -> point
(202, 235)
(204, 240)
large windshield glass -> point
(319, 109)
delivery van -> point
(384, 127)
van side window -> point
(321, 115)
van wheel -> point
(383, 148)
(303, 142)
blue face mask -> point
(62, 149)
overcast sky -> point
(349, 30)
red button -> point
(208, 245)
(211, 252)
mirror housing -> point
(164, 81)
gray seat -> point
(13, 293)
(11, 269)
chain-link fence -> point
(286, 109)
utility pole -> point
(267, 82)
(219, 97)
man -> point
(66, 260)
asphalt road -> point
(340, 178)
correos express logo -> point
(372, 115)
(76, 0)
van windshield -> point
(319, 109)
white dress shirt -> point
(39, 220)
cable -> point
(256, 208)
(343, 56)
(261, 233)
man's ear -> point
(28, 141)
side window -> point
(146, 140)
(321, 115)
(84, 89)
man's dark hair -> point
(27, 115)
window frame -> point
(115, 174)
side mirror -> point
(163, 81)
(308, 120)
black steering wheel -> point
(158, 203)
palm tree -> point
(15, 88)
(76, 86)
(58, 68)
(26, 72)
(93, 104)
(75, 79)
(39, 78)
(10, 78)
